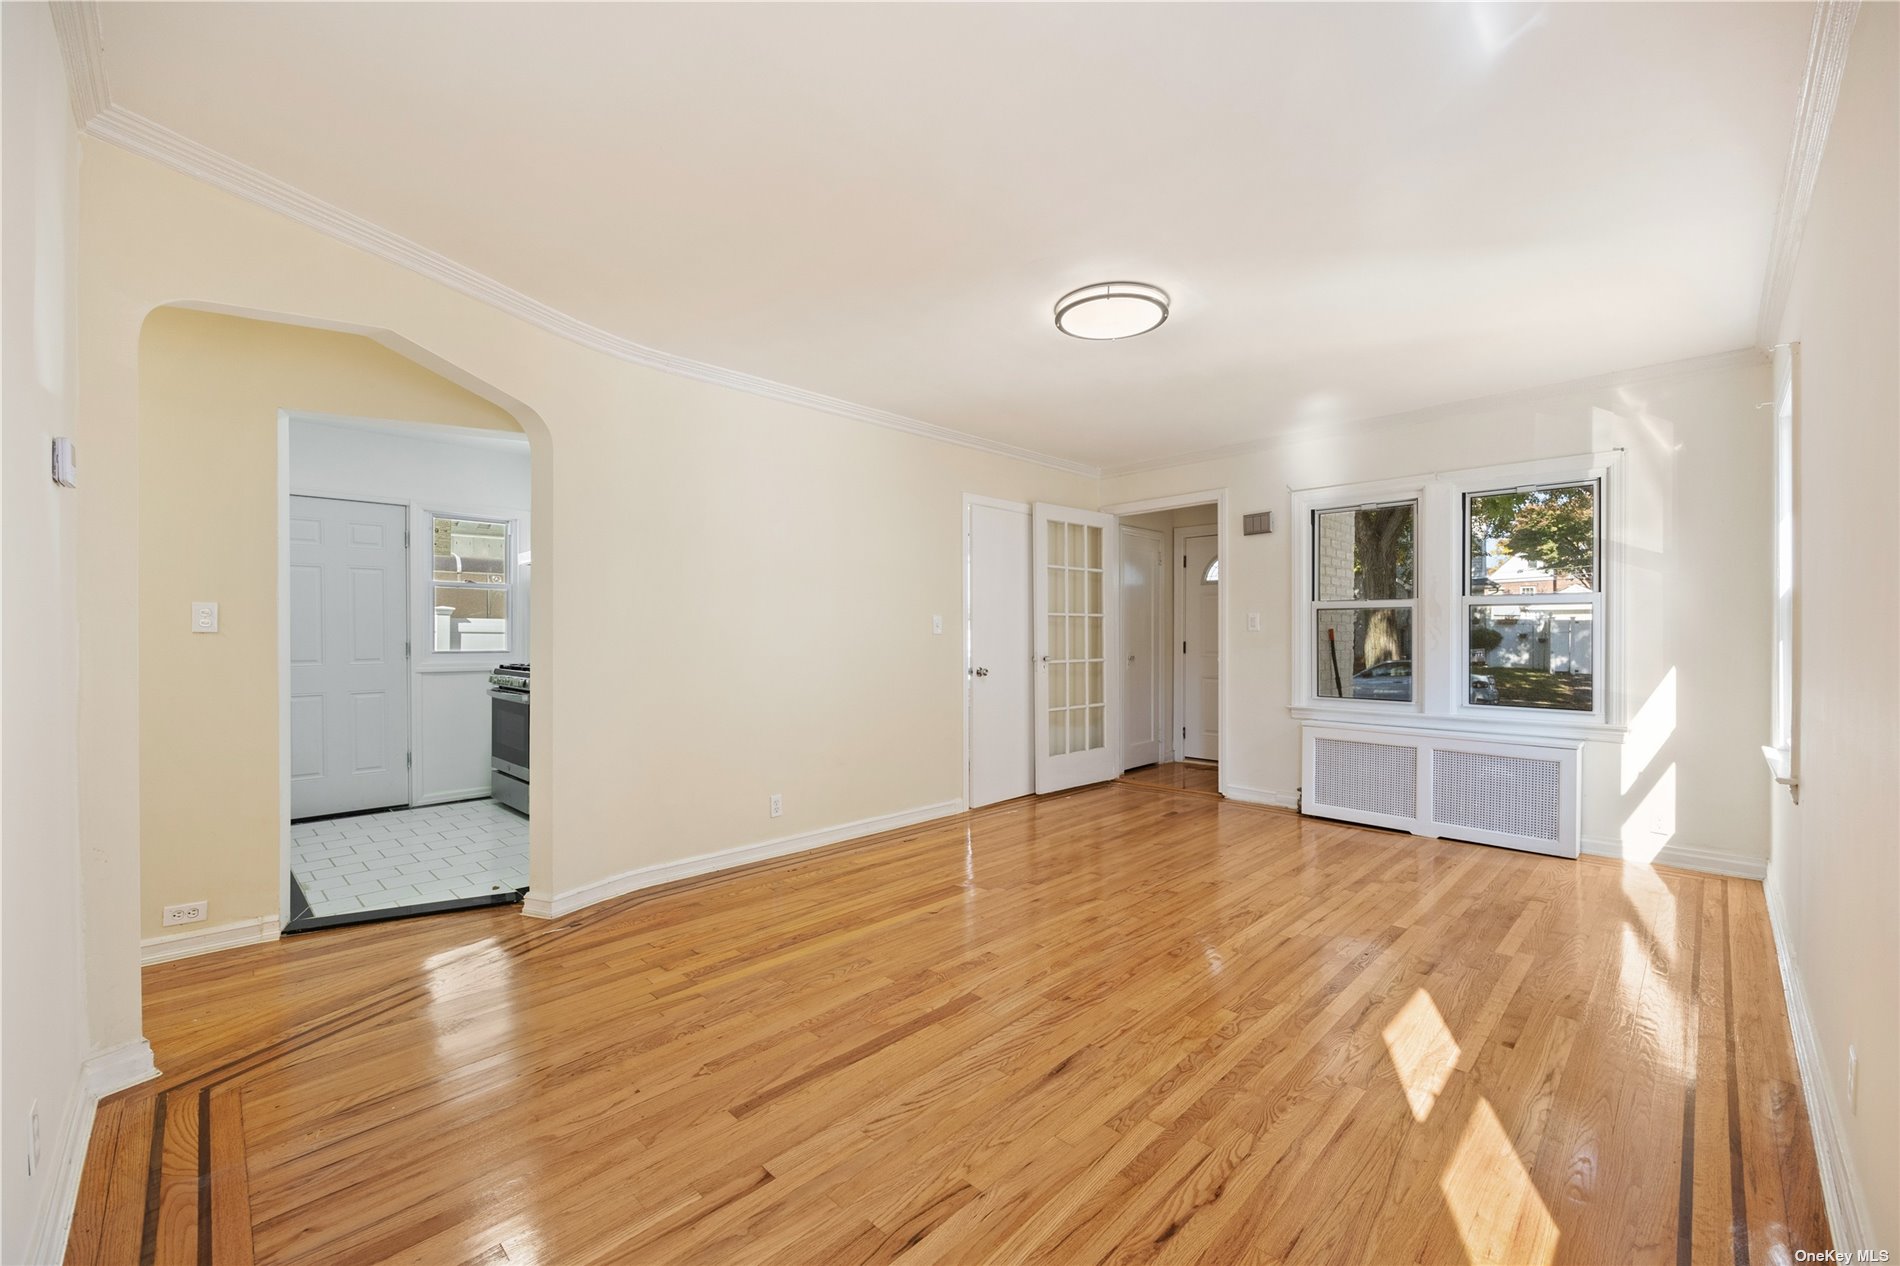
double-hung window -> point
(1477, 599)
(1365, 571)
(470, 579)
(1533, 597)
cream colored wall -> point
(1696, 461)
(1834, 875)
(210, 387)
(43, 1036)
(777, 638)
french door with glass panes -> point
(1077, 696)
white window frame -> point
(1783, 748)
(1440, 598)
(508, 585)
(1593, 598)
(1307, 506)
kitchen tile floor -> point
(409, 857)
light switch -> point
(1253, 622)
(936, 624)
(204, 617)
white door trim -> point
(970, 500)
(1224, 534)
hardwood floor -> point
(1113, 1026)
(1177, 776)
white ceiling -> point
(1359, 209)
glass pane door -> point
(1075, 592)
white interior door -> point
(349, 670)
(1198, 601)
(1144, 641)
(1077, 695)
(1002, 763)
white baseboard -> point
(1847, 1216)
(1254, 795)
(1685, 858)
(114, 1069)
(565, 903)
(104, 1073)
(163, 949)
(48, 1244)
(452, 797)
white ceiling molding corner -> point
(82, 46)
(1820, 92)
(80, 39)
(1600, 382)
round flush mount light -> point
(1111, 309)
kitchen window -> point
(470, 579)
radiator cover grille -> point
(1510, 795)
(1370, 777)
(1506, 791)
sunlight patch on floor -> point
(1422, 1051)
(1499, 1214)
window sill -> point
(483, 662)
(1781, 764)
(1469, 727)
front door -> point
(1077, 696)
(349, 670)
(1198, 583)
(1001, 764)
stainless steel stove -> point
(508, 732)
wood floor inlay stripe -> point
(1114, 1026)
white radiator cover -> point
(1516, 793)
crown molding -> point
(1828, 40)
(1331, 430)
(82, 46)
(139, 135)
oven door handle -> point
(509, 696)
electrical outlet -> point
(190, 912)
(1853, 1078)
(32, 1138)
(936, 624)
(1253, 622)
(777, 804)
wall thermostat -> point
(65, 462)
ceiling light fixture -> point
(1111, 310)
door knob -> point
(982, 672)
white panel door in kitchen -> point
(349, 669)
